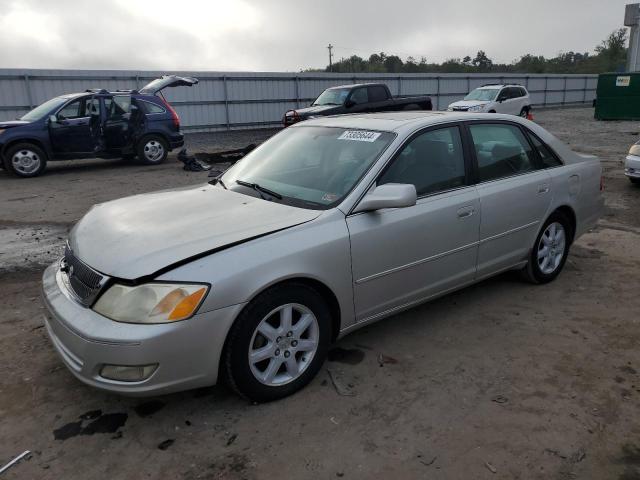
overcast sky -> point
(279, 35)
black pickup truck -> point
(357, 98)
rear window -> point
(378, 93)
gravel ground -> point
(502, 380)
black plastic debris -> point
(191, 163)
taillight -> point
(174, 114)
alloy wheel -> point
(283, 344)
(25, 161)
(551, 248)
(153, 150)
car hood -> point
(317, 109)
(13, 123)
(468, 103)
(139, 236)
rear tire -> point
(152, 150)
(278, 343)
(550, 250)
(25, 160)
(635, 181)
(524, 112)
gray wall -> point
(225, 100)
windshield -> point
(44, 109)
(310, 167)
(332, 96)
(486, 94)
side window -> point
(118, 106)
(152, 107)
(502, 151)
(523, 92)
(75, 109)
(360, 95)
(513, 92)
(503, 95)
(377, 94)
(432, 161)
(549, 160)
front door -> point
(74, 131)
(514, 195)
(402, 256)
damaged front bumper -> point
(177, 356)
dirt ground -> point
(502, 380)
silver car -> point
(632, 164)
(330, 225)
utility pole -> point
(632, 19)
(330, 47)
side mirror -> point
(390, 195)
(349, 103)
(53, 119)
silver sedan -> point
(330, 225)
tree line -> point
(609, 56)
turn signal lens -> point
(151, 302)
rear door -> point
(401, 256)
(514, 195)
(74, 133)
(117, 126)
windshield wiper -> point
(259, 189)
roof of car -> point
(353, 85)
(498, 85)
(396, 121)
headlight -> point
(449, 109)
(635, 150)
(151, 302)
(476, 108)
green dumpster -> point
(618, 96)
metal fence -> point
(231, 100)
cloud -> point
(281, 35)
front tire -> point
(152, 150)
(278, 343)
(25, 160)
(550, 250)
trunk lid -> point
(168, 81)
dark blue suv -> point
(96, 123)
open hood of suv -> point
(168, 81)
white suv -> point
(511, 99)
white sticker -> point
(359, 136)
(623, 81)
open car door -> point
(167, 81)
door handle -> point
(465, 212)
(544, 188)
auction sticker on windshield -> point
(359, 136)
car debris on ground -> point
(14, 461)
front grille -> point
(84, 281)
(460, 109)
